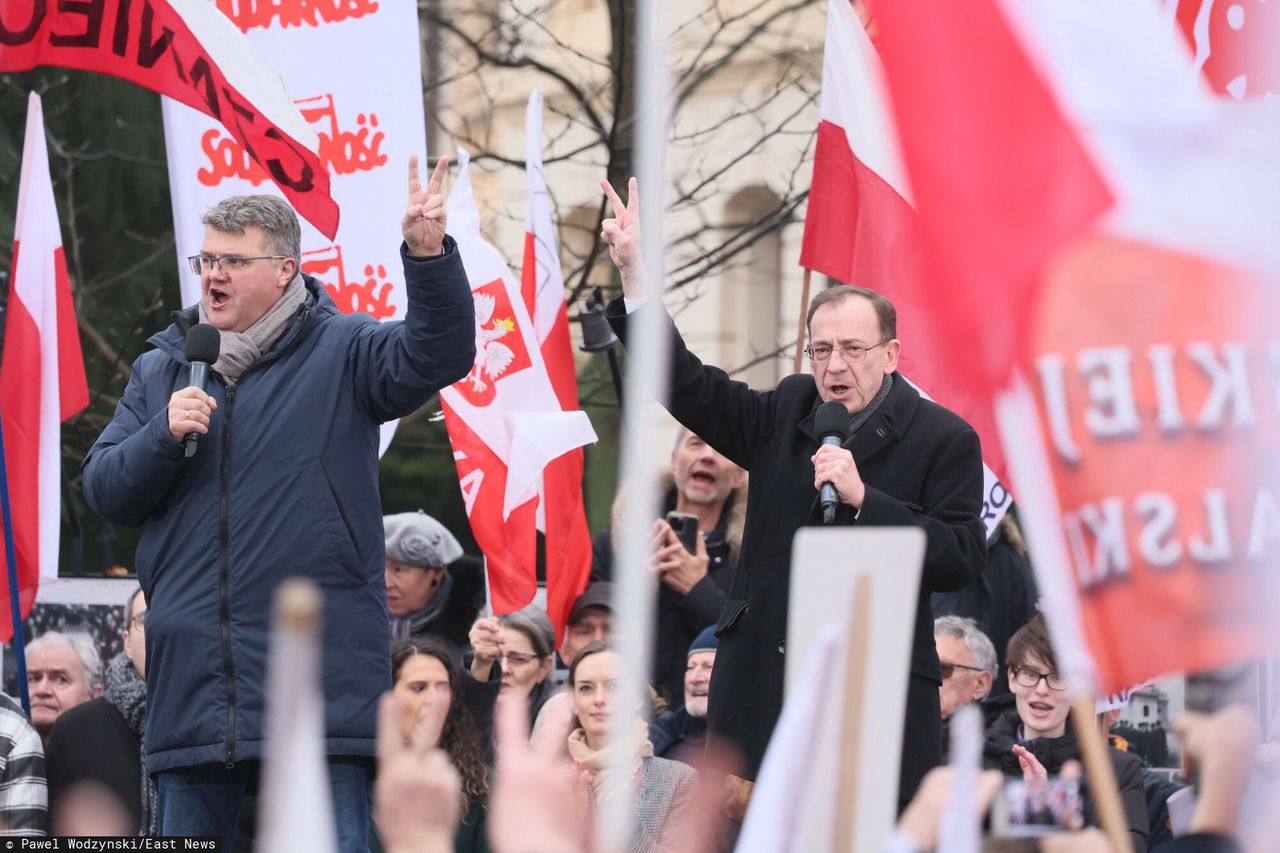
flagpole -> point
(11, 559)
(648, 356)
(800, 323)
(1101, 774)
(857, 655)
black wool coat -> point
(922, 466)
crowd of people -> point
(448, 728)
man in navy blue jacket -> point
(285, 482)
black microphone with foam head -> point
(831, 423)
(203, 344)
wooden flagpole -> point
(1101, 775)
(855, 676)
(800, 324)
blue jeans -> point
(206, 799)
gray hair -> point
(128, 605)
(82, 645)
(282, 235)
(534, 623)
(967, 630)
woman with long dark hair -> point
(427, 689)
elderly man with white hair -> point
(968, 662)
(63, 671)
(685, 731)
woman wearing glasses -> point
(1035, 738)
(521, 644)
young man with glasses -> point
(284, 482)
(906, 462)
(1035, 739)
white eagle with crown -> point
(492, 356)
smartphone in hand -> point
(1024, 808)
(685, 526)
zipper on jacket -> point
(224, 578)
(224, 542)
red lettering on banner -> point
(372, 296)
(248, 14)
(342, 152)
(149, 43)
(500, 348)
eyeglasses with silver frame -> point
(201, 264)
(851, 353)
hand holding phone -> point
(685, 526)
(1023, 808)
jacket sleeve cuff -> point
(447, 248)
(161, 440)
(881, 510)
(702, 605)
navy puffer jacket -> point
(285, 483)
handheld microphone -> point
(831, 422)
(203, 344)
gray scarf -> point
(240, 350)
(128, 693)
(865, 415)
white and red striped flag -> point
(1124, 220)
(562, 515)
(504, 419)
(861, 228)
(42, 381)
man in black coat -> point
(907, 462)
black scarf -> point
(863, 416)
(127, 692)
(1052, 752)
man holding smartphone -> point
(693, 550)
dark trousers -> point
(205, 800)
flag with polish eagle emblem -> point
(505, 421)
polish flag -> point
(1109, 204)
(861, 228)
(42, 381)
(1000, 179)
(505, 421)
(562, 516)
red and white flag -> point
(42, 381)
(504, 419)
(861, 228)
(562, 515)
(1125, 221)
(190, 51)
